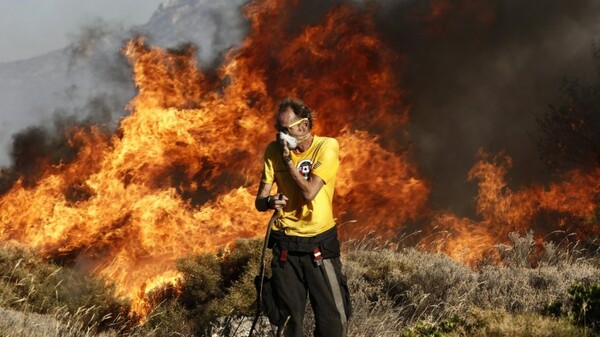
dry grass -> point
(395, 292)
(501, 323)
(28, 324)
(410, 292)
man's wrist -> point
(268, 201)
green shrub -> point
(586, 305)
(220, 285)
(554, 309)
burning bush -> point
(568, 134)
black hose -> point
(262, 271)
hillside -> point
(89, 79)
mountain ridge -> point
(61, 83)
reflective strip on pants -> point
(336, 291)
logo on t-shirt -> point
(305, 167)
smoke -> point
(33, 149)
(479, 72)
(90, 81)
(86, 42)
(213, 26)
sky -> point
(30, 28)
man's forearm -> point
(308, 187)
(261, 204)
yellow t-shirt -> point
(301, 218)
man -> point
(306, 251)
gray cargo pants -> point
(325, 285)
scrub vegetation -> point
(534, 290)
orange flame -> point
(179, 177)
(504, 210)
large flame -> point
(572, 205)
(180, 175)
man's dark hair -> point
(299, 108)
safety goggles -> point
(287, 128)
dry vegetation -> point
(551, 291)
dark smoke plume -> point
(479, 73)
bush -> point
(432, 294)
(423, 286)
(30, 284)
(220, 285)
(169, 318)
(394, 292)
(586, 305)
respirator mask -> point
(291, 141)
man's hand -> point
(278, 201)
(285, 150)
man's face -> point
(289, 123)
